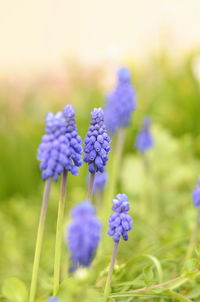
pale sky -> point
(37, 35)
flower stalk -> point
(59, 233)
(193, 238)
(91, 186)
(39, 239)
(111, 268)
(116, 164)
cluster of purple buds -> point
(120, 222)
(54, 150)
(144, 140)
(61, 145)
(52, 299)
(83, 235)
(196, 195)
(100, 181)
(75, 147)
(120, 102)
(97, 143)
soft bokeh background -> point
(58, 52)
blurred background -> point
(58, 52)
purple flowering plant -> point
(120, 222)
(144, 139)
(120, 103)
(83, 235)
(97, 143)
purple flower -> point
(120, 102)
(83, 235)
(97, 143)
(54, 152)
(120, 222)
(144, 140)
(52, 299)
(196, 195)
(100, 181)
(61, 145)
(75, 147)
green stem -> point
(109, 278)
(145, 162)
(39, 240)
(113, 178)
(90, 187)
(154, 286)
(99, 200)
(193, 238)
(59, 234)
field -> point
(155, 258)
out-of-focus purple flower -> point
(196, 195)
(97, 143)
(120, 102)
(83, 235)
(120, 222)
(144, 139)
(100, 181)
(52, 299)
(75, 140)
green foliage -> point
(153, 260)
(15, 290)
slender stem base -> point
(59, 234)
(39, 239)
(109, 278)
(115, 165)
(98, 200)
(91, 186)
(145, 162)
(193, 238)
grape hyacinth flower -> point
(54, 150)
(120, 102)
(71, 151)
(97, 146)
(100, 181)
(61, 145)
(54, 158)
(83, 235)
(144, 140)
(75, 147)
(120, 223)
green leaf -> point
(157, 265)
(194, 293)
(148, 274)
(15, 290)
(177, 296)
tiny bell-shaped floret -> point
(97, 143)
(120, 222)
